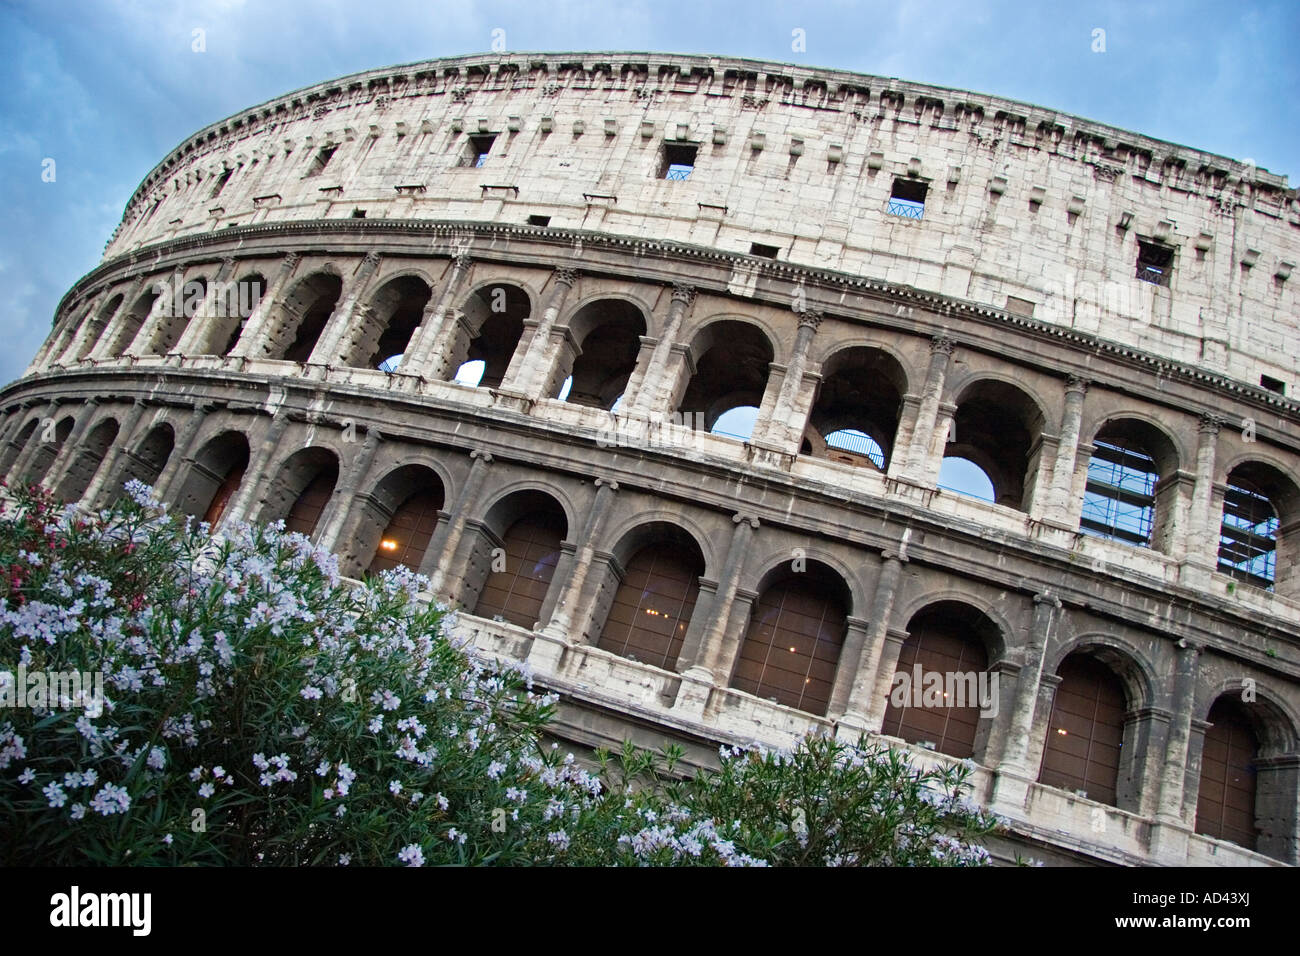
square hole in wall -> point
(907, 198)
(476, 153)
(761, 249)
(322, 159)
(1272, 384)
(678, 161)
(1155, 262)
(539, 220)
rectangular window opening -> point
(358, 214)
(907, 198)
(759, 249)
(678, 161)
(1154, 263)
(1272, 384)
(322, 160)
(539, 221)
(479, 147)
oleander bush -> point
(256, 709)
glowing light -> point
(388, 544)
(1061, 731)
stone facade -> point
(1064, 289)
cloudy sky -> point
(106, 88)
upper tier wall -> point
(1025, 209)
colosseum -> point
(731, 396)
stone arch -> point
(215, 477)
(858, 408)
(124, 331)
(1131, 490)
(178, 307)
(1099, 727)
(996, 426)
(944, 692)
(922, 594)
(626, 530)
(382, 331)
(398, 518)
(90, 454)
(489, 327)
(39, 464)
(102, 317)
(1259, 525)
(600, 353)
(653, 586)
(232, 304)
(303, 484)
(299, 317)
(796, 630)
(145, 462)
(13, 449)
(516, 553)
(731, 359)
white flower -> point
(559, 838)
(168, 839)
(206, 790)
(411, 855)
(377, 724)
(157, 758)
(78, 810)
(442, 801)
(495, 769)
(395, 787)
(455, 836)
(345, 859)
(27, 776)
(54, 793)
(110, 800)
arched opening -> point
(387, 324)
(215, 478)
(126, 329)
(1225, 802)
(299, 320)
(608, 336)
(179, 307)
(301, 489)
(1129, 459)
(145, 462)
(652, 607)
(996, 427)
(942, 683)
(401, 517)
(856, 415)
(1259, 509)
(233, 305)
(97, 325)
(14, 449)
(532, 526)
(792, 644)
(1086, 730)
(81, 472)
(489, 332)
(47, 452)
(732, 361)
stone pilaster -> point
(917, 464)
(536, 353)
(652, 392)
(253, 339)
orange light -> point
(388, 544)
(792, 650)
(1061, 731)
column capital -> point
(942, 343)
(290, 260)
(683, 292)
(371, 260)
(810, 319)
(1076, 383)
(609, 483)
(1211, 422)
(751, 520)
(462, 261)
(1047, 597)
(480, 455)
(566, 275)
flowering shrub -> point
(256, 709)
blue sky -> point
(106, 88)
